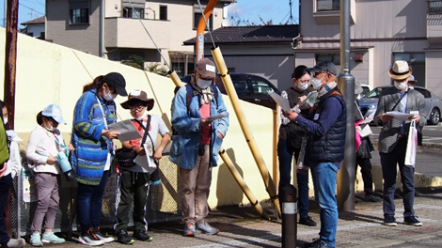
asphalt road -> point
(429, 155)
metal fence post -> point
(289, 216)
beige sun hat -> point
(400, 70)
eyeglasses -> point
(136, 108)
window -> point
(135, 13)
(417, 63)
(31, 34)
(197, 13)
(42, 36)
(163, 12)
(434, 6)
(79, 12)
(327, 5)
(261, 87)
(335, 58)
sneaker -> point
(206, 228)
(36, 239)
(50, 237)
(124, 238)
(411, 220)
(142, 235)
(372, 198)
(307, 221)
(90, 238)
(102, 237)
(16, 243)
(390, 221)
(316, 244)
(189, 229)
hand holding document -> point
(399, 116)
(310, 101)
(284, 103)
(146, 161)
(222, 115)
(126, 129)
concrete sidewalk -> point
(241, 227)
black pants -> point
(5, 185)
(367, 177)
(134, 189)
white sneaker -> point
(16, 243)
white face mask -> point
(316, 83)
(203, 83)
(50, 129)
(5, 121)
(109, 96)
(401, 85)
(143, 116)
(303, 86)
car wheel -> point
(434, 117)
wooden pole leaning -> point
(222, 68)
(276, 123)
(242, 183)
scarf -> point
(206, 94)
(327, 88)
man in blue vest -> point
(325, 128)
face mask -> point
(400, 86)
(143, 116)
(302, 86)
(5, 121)
(50, 129)
(203, 83)
(316, 83)
(109, 96)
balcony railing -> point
(434, 7)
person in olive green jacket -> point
(5, 185)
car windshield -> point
(374, 93)
(261, 88)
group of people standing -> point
(324, 126)
(314, 134)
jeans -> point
(5, 185)
(89, 203)
(389, 163)
(285, 155)
(324, 181)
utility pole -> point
(11, 59)
(346, 82)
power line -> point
(31, 9)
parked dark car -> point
(249, 87)
(433, 103)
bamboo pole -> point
(270, 186)
(276, 123)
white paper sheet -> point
(399, 116)
(126, 129)
(284, 103)
(146, 161)
(222, 115)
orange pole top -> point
(200, 29)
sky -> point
(250, 12)
(243, 12)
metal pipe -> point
(222, 68)
(242, 184)
(101, 31)
(289, 216)
(346, 82)
(200, 30)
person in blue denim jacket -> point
(196, 142)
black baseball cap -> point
(117, 81)
(326, 66)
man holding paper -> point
(393, 140)
(134, 181)
(196, 142)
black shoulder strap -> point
(146, 130)
(406, 92)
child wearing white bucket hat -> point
(44, 144)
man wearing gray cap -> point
(196, 142)
(325, 128)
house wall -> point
(276, 63)
(127, 33)
(36, 29)
(380, 29)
